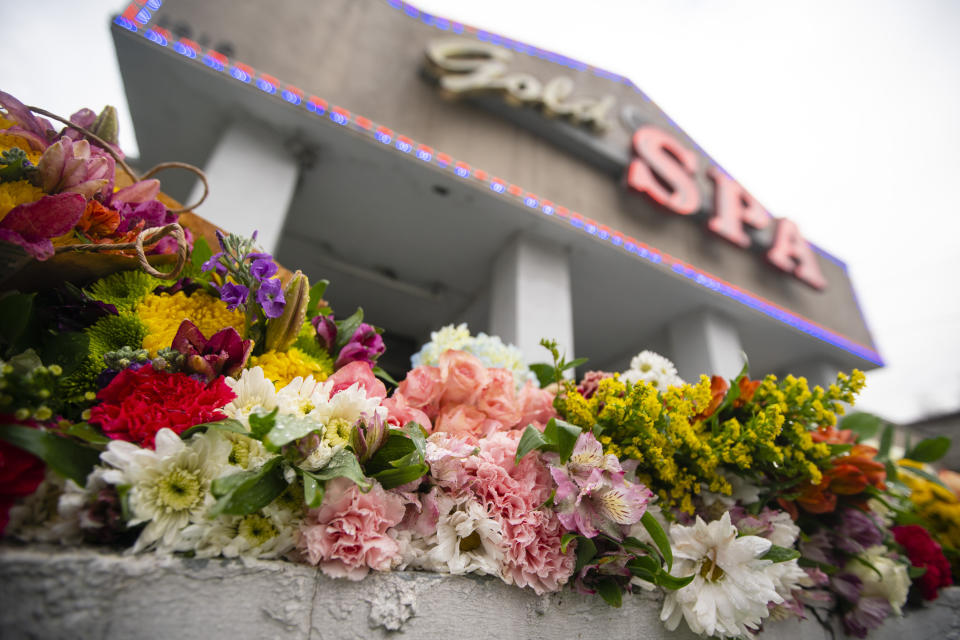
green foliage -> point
(16, 166)
(247, 491)
(343, 464)
(16, 310)
(347, 327)
(316, 296)
(865, 425)
(227, 424)
(780, 554)
(929, 449)
(400, 459)
(67, 457)
(547, 374)
(124, 289)
(558, 437)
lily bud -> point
(106, 125)
(282, 331)
(368, 436)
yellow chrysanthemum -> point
(284, 366)
(163, 313)
(13, 194)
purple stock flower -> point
(868, 614)
(214, 263)
(270, 297)
(365, 345)
(326, 332)
(857, 532)
(847, 586)
(234, 295)
(263, 268)
(819, 548)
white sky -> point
(844, 116)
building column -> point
(530, 297)
(705, 342)
(252, 177)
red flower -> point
(140, 402)
(924, 551)
(20, 475)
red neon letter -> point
(734, 208)
(793, 254)
(664, 170)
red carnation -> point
(20, 475)
(139, 402)
(924, 551)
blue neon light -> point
(616, 241)
(382, 137)
(291, 97)
(547, 209)
(396, 4)
(184, 50)
(143, 16)
(154, 36)
(426, 156)
(442, 23)
(463, 173)
(339, 118)
(530, 202)
(126, 24)
(154, 4)
(265, 86)
(411, 11)
(213, 63)
(590, 228)
(240, 74)
(603, 235)
(499, 187)
(406, 147)
(574, 222)
(313, 107)
(457, 27)
(442, 163)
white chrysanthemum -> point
(467, 539)
(653, 369)
(732, 585)
(448, 337)
(168, 486)
(785, 530)
(268, 533)
(40, 517)
(245, 452)
(892, 583)
(413, 549)
(254, 391)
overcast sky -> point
(844, 116)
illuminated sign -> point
(660, 166)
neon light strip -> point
(385, 135)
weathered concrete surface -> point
(89, 594)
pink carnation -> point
(536, 406)
(463, 377)
(348, 535)
(498, 399)
(358, 372)
(531, 474)
(422, 388)
(399, 413)
(446, 455)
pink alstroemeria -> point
(34, 225)
(592, 495)
(73, 167)
(28, 126)
(225, 353)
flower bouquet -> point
(225, 411)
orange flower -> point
(98, 220)
(718, 390)
(831, 435)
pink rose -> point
(536, 406)
(399, 413)
(348, 535)
(465, 422)
(361, 373)
(499, 399)
(463, 377)
(422, 388)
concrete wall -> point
(85, 593)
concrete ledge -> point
(52, 592)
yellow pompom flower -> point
(13, 194)
(283, 366)
(163, 313)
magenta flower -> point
(34, 225)
(326, 332)
(225, 353)
(592, 495)
(365, 345)
(73, 167)
(36, 130)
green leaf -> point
(565, 435)
(262, 424)
(530, 440)
(927, 476)
(633, 543)
(395, 448)
(869, 565)
(837, 449)
(659, 538)
(647, 563)
(227, 424)
(671, 582)
(69, 350)
(15, 311)
(586, 550)
(573, 364)
(86, 432)
(565, 540)
(343, 464)
(347, 327)
(893, 474)
(316, 295)
(418, 436)
(777, 553)
(383, 375)
(395, 477)
(201, 253)
(67, 457)
(544, 372)
(312, 490)
(248, 491)
(865, 425)
(287, 428)
(916, 572)
(610, 591)
(929, 449)
(886, 441)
